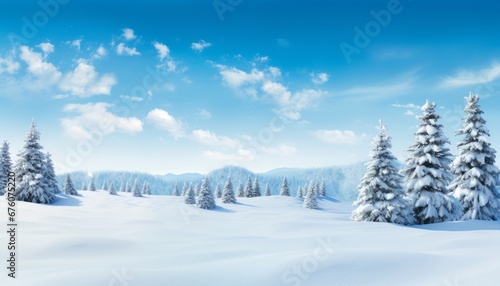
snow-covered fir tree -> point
(427, 172)
(316, 187)
(240, 191)
(128, 189)
(190, 197)
(29, 169)
(136, 192)
(285, 191)
(310, 201)
(218, 191)
(267, 192)
(381, 193)
(300, 194)
(50, 175)
(91, 185)
(197, 189)
(322, 188)
(205, 198)
(175, 192)
(184, 189)
(256, 188)
(69, 189)
(122, 187)
(5, 167)
(474, 170)
(112, 190)
(104, 186)
(228, 193)
(249, 188)
(84, 186)
(146, 190)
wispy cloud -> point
(469, 77)
(123, 50)
(319, 78)
(84, 81)
(339, 136)
(378, 91)
(44, 73)
(128, 34)
(200, 46)
(93, 118)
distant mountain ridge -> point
(341, 181)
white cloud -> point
(200, 46)
(290, 103)
(76, 43)
(94, 118)
(45, 72)
(84, 81)
(121, 49)
(100, 52)
(162, 49)
(409, 105)
(211, 139)
(339, 136)
(409, 112)
(319, 78)
(465, 77)
(128, 34)
(9, 65)
(163, 120)
(203, 113)
(236, 78)
(132, 98)
(46, 48)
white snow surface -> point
(98, 239)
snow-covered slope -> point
(98, 239)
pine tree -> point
(197, 189)
(322, 188)
(104, 186)
(128, 189)
(145, 189)
(249, 188)
(50, 175)
(267, 193)
(285, 191)
(427, 173)
(184, 189)
(175, 192)
(474, 167)
(218, 192)
(84, 186)
(310, 201)
(112, 190)
(228, 194)
(29, 170)
(240, 191)
(122, 188)
(69, 189)
(381, 194)
(205, 198)
(136, 192)
(91, 185)
(256, 188)
(190, 198)
(300, 194)
(5, 167)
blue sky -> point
(188, 86)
